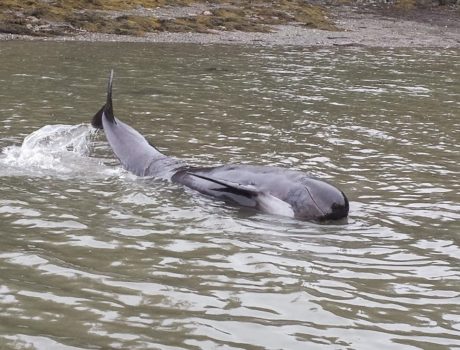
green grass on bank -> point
(58, 17)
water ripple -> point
(93, 257)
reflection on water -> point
(92, 257)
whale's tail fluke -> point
(107, 109)
(96, 122)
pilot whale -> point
(268, 189)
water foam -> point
(52, 149)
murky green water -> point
(94, 258)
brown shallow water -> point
(94, 258)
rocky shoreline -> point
(425, 28)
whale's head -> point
(325, 202)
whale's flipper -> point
(228, 186)
(246, 195)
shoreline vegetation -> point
(398, 23)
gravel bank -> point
(424, 28)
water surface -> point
(92, 257)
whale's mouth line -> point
(313, 199)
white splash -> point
(58, 138)
(61, 149)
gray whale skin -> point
(271, 190)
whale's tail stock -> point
(135, 153)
